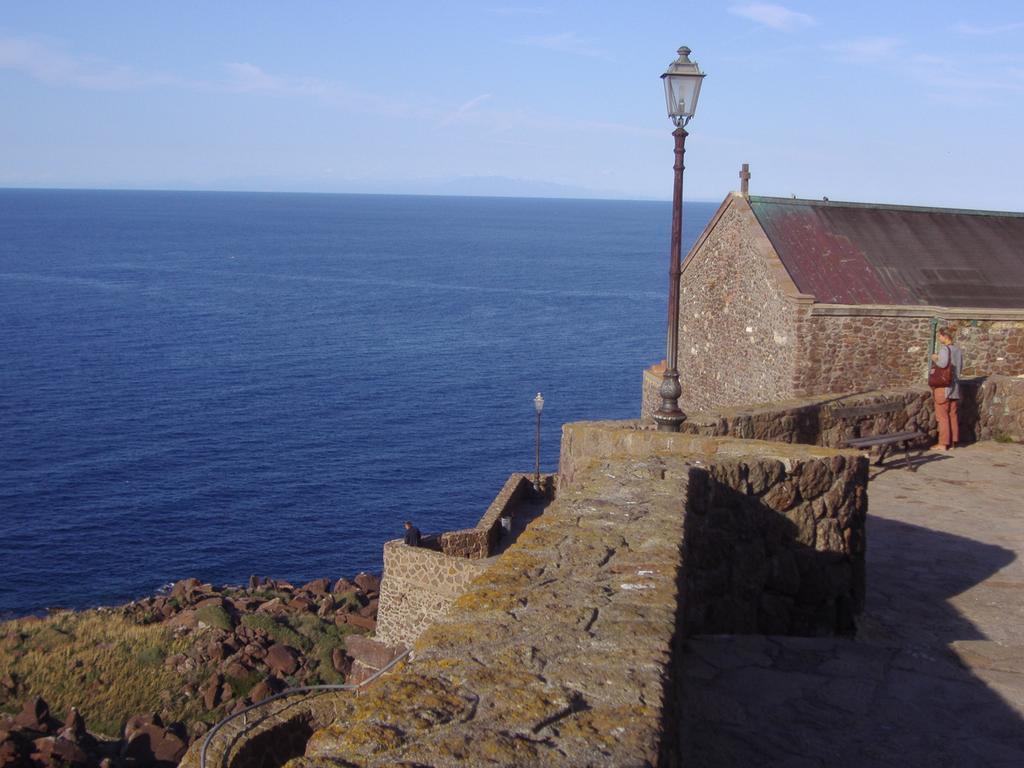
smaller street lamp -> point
(538, 405)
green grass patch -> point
(242, 685)
(277, 630)
(91, 660)
(215, 616)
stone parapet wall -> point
(775, 546)
(991, 407)
(773, 536)
(419, 586)
(480, 540)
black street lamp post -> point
(682, 87)
(538, 405)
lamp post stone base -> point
(669, 417)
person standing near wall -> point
(947, 399)
(412, 534)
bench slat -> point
(866, 410)
(895, 437)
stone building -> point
(783, 298)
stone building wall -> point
(861, 352)
(419, 586)
(853, 349)
(738, 319)
(991, 347)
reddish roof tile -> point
(853, 253)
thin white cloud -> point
(54, 66)
(465, 109)
(248, 77)
(867, 49)
(774, 16)
(565, 42)
(965, 28)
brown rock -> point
(135, 722)
(254, 583)
(341, 663)
(367, 582)
(15, 749)
(245, 604)
(357, 621)
(35, 716)
(369, 611)
(255, 651)
(370, 652)
(803, 519)
(317, 586)
(53, 750)
(282, 659)
(815, 479)
(183, 588)
(153, 744)
(186, 618)
(212, 691)
(266, 688)
(327, 607)
(237, 668)
(342, 585)
(74, 727)
(217, 601)
(781, 496)
(217, 651)
(237, 707)
(8, 683)
(300, 605)
(349, 598)
(273, 607)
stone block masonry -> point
(419, 586)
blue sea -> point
(225, 384)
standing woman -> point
(947, 399)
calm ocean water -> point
(218, 385)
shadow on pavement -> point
(895, 696)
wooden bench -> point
(883, 441)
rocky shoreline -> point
(193, 656)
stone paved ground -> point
(936, 675)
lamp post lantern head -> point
(538, 403)
(682, 87)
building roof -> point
(854, 253)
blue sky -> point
(916, 102)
